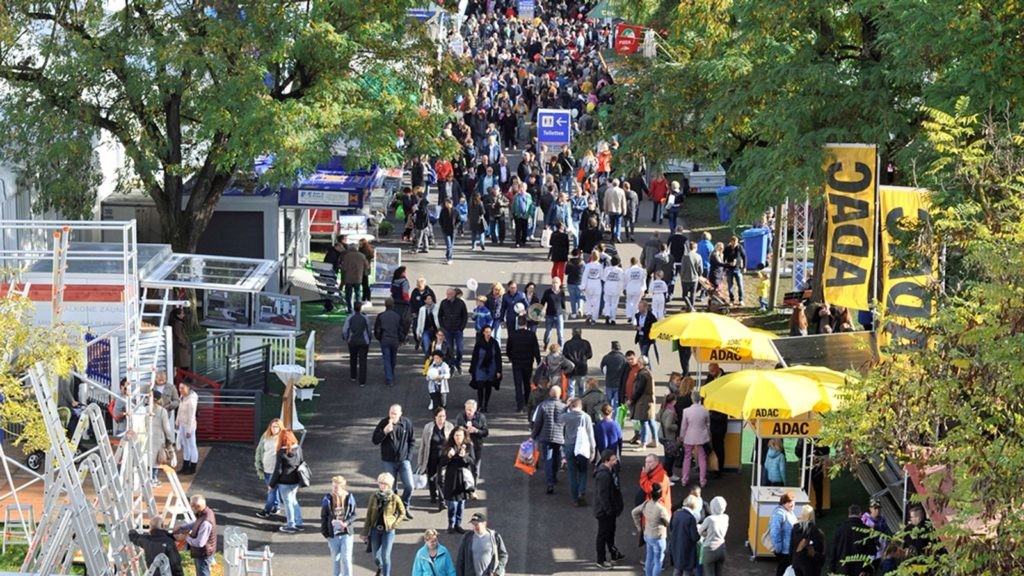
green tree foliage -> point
(194, 91)
(25, 344)
(957, 408)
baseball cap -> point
(478, 517)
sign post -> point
(554, 129)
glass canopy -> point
(204, 272)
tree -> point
(24, 344)
(195, 91)
(956, 407)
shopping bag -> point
(419, 481)
(621, 414)
(400, 213)
(526, 457)
(545, 238)
(713, 464)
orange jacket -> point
(658, 476)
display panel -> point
(222, 308)
(276, 311)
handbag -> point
(305, 475)
(545, 238)
(766, 542)
(468, 481)
(419, 481)
(583, 446)
(166, 455)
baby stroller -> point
(717, 301)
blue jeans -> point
(577, 466)
(496, 330)
(290, 499)
(613, 396)
(657, 211)
(273, 498)
(575, 298)
(352, 290)
(381, 542)
(203, 565)
(425, 340)
(556, 322)
(576, 386)
(655, 555)
(449, 243)
(455, 510)
(735, 275)
(456, 338)
(401, 471)
(390, 354)
(552, 455)
(646, 425)
(341, 554)
(478, 237)
(615, 223)
(673, 216)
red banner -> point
(627, 38)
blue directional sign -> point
(554, 127)
(526, 9)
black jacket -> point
(480, 423)
(396, 446)
(522, 348)
(287, 469)
(851, 539)
(643, 336)
(348, 516)
(453, 315)
(154, 544)
(683, 540)
(811, 559)
(578, 351)
(607, 493)
(449, 220)
(559, 251)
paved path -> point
(544, 534)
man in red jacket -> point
(658, 192)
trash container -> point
(726, 202)
(755, 243)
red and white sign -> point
(628, 38)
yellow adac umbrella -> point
(703, 329)
(751, 394)
(831, 382)
(760, 349)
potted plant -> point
(305, 386)
(385, 228)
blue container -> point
(755, 243)
(726, 202)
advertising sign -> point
(850, 177)
(906, 286)
(627, 38)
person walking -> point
(433, 559)
(428, 459)
(389, 330)
(613, 364)
(691, 266)
(353, 265)
(614, 206)
(187, 424)
(673, 204)
(578, 430)
(607, 432)
(548, 433)
(337, 513)
(632, 210)
(643, 406)
(482, 551)
(522, 212)
(558, 251)
(401, 296)
(475, 424)
(554, 310)
(780, 528)
(396, 439)
(161, 434)
(607, 506)
(651, 518)
(523, 352)
(485, 367)
(735, 264)
(427, 324)
(636, 285)
(438, 374)
(713, 529)
(200, 535)
(266, 463)
(454, 316)
(157, 541)
(449, 220)
(613, 279)
(458, 462)
(643, 321)
(593, 277)
(683, 539)
(384, 514)
(694, 433)
(286, 479)
(356, 333)
(578, 351)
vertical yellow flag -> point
(850, 181)
(906, 287)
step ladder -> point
(176, 506)
(19, 526)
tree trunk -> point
(183, 228)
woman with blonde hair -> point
(337, 513)
(383, 515)
(286, 479)
(809, 550)
(265, 463)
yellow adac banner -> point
(906, 286)
(850, 180)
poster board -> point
(385, 262)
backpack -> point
(421, 219)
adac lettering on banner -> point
(850, 196)
(766, 413)
(788, 428)
(906, 289)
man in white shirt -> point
(636, 285)
(613, 279)
(658, 291)
(593, 273)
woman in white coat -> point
(161, 431)
(186, 425)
